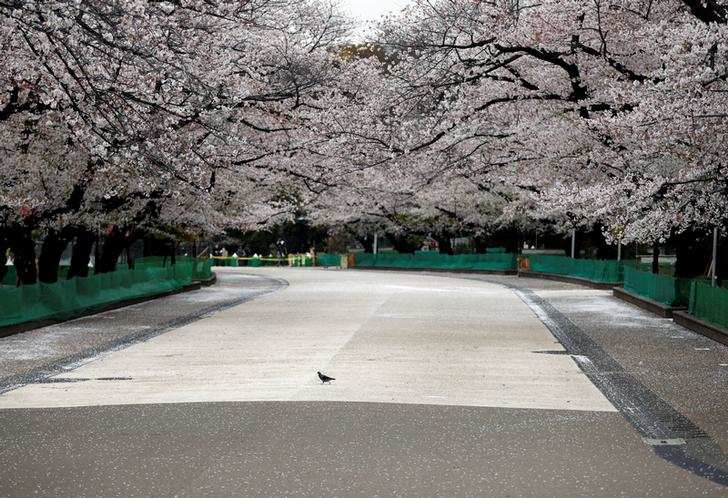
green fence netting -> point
(436, 261)
(602, 271)
(227, 261)
(200, 269)
(661, 288)
(297, 260)
(300, 260)
(328, 259)
(709, 303)
(66, 298)
(10, 277)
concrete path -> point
(445, 386)
(413, 340)
(38, 353)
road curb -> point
(436, 270)
(570, 280)
(645, 303)
(709, 330)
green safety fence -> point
(297, 260)
(431, 260)
(11, 276)
(254, 261)
(300, 260)
(226, 261)
(709, 303)
(661, 288)
(328, 259)
(495, 250)
(66, 298)
(201, 269)
(595, 270)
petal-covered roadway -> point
(389, 338)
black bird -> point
(324, 378)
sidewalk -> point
(36, 354)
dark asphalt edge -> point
(651, 416)
(75, 360)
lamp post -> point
(714, 264)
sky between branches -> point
(366, 11)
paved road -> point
(48, 350)
(444, 385)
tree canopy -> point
(125, 115)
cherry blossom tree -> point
(583, 112)
(119, 115)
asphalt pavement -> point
(446, 385)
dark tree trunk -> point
(656, 257)
(480, 244)
(510, 238)
(367, 242)
(155, 246)
(598, 247)
(172, 252)
(444, 243)
(402, 243)
(693, 251)
(81, 254)
(722, 265)
(111, 247)
(3, 256)
(50, 255)
(23, 248)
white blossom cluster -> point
(461, 114)
(579, 112)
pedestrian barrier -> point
(674, 292)
(300, 260)
(67, 298)
(296, 260)
(709, 303)
(224, 261)
(328, 259)
(11, 276)
(430, 260)
(254, 261)
(595, 270)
